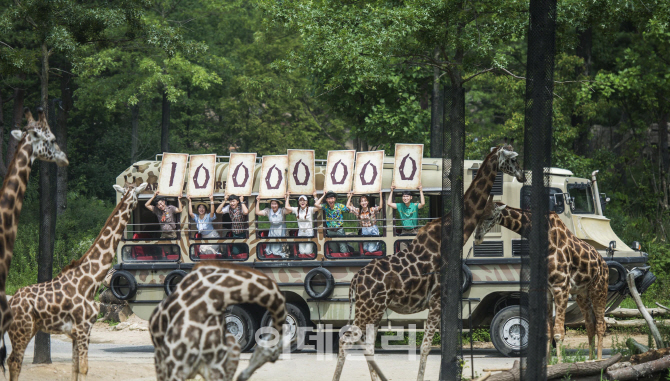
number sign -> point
(369, 169)
(301, 171)
(407, 166)
(273, 177)
(201, 175)
(171, 177)
(339, 171)
(240, 180)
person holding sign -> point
(277, 226)
(334, 220)
(237, 210)
(305, 216)
(367, 217)
(166, 215)
(409, 211)
(203, 221)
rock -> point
(108, 298)
(121, 326)
(115, 312)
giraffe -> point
(188, 327)
(35, 142)
(574, 267)
(65, 304)
(408, 282)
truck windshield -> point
(582, 198)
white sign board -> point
(369, 169)
(240, 180)
(201, 175)
(171, 177)
(407, 166)
(339, 171)
(301, 171)
(273, 177)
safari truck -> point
(316, 285)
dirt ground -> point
(135, 367)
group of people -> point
(235, 207)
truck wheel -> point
(172, 280)
(296, 318)
(617, 276)
(509, 331)
(242, 325)
(647, 280)
(123, 285)
(467, 278)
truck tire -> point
(616, 269)
(467, 278)
(241, 323)
(509, 331)
(319, 283)
(172, 280)
(123, 285)
(296, 318)
(643, 284)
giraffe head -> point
(507, 162)
(491, 217)
(39, 135)
(130, 192)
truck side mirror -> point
(636, 246)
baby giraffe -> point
(188, 328)
(574, 267)
(65, 304)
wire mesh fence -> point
(537, 158)
(451, 275)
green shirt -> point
(409, 215)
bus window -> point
(219, 251)
(287, 250)
(228, 229)
(290, 221)
(582, 198)
(355, 249)
(144, 224)
(403, 226)
(400, 245)
(351, 225)
(556, 203)
(163, 253)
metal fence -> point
(537, 157)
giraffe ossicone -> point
(408, 282)
(66, 304)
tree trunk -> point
(638, 371)
(134, 137)
(165, 124)
(436, 113)
(3, 165)
(663, 146)
(17, 117)
(649, 356)
(47, 218)
(61, 138)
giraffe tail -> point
(3, 355)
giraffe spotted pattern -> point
(35, 142)
(188, 328)
(574, 267)
(65, 304)
(408, 282)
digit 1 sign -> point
(171, 177)
(201, 175)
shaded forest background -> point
(126, 80)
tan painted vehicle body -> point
(495, 265)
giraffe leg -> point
(375, 372)
(82, 348)
(232, 357)
(75, 359)
(20, 333)
(561, 301)
(550, 322)
(589, 321)
(599, 305)
(432, 323)
(345, 344)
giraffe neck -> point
(11, 202)
(476, 197)
(99, 258)
(516, 220)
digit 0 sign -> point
(172, 173)
(273, 176)
(369, 169)
(301, 171)
(240, 180)
(340, 171)
(201, 175)
(407, 166)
